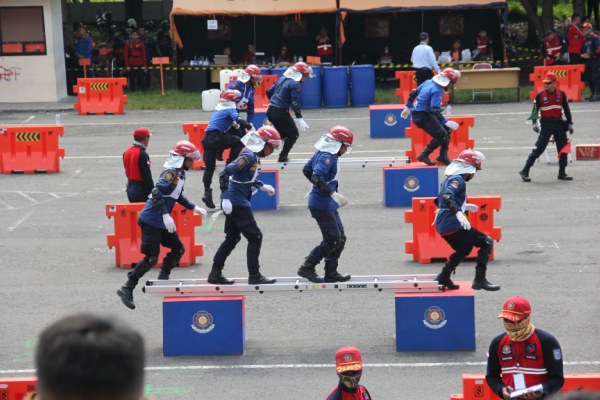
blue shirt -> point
(429, 97)
(325, 166)
(247, 100)
(221, 120)
(285, 92)
(84, 47)
(170, 184)
(446, 221)
(243, 172)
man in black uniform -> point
(550, 104)
(137, 167)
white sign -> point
(212, 24)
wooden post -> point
(160, 61)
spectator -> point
(84, 357)
(83, 50)
(134, 54)
(284, 58)
(423, 59)
(150, 48)
(591, 54)
(163, 40)
(249, 57)
(483, 44)
(227, 52)
(324, 46)
(552, 48)
(575, 37)
(593, 7)
(456, 51)
(348, 365)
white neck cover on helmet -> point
(328, 145)
(293, 74)
(254, 142)
(441, 80)
(224, 105)
(174, 161)
(244, 77)
(459, 168)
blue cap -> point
(423, 35)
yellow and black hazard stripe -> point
(28, 136)
(99, 86)
(560, 73)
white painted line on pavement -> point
(19, 222)
(306, 366)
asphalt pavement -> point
(55, 261)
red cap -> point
(550, 77)
(515, 309)
(348, 358)
(141, 133)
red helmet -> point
(471, 157)
(187, 149)
(231, 95)
(446, 76)
(304, 69)
(270, 135)
(253, 71)
(341, 134)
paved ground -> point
(55, 260)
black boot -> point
(443, 278)
(216, 276)
(126, 294)
(283, 157)
(424, 157)
(443, 157)
(481, 283)
(562, 175)
(207, 198)
(332, 275)
(525, 174)
(164, 274)
(256, 278)
(307, 270)
(595, 95)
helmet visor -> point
(196, 156)
(276, 143)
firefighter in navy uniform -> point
(246, 84)
(137, 167)
(427, 114)
(283, 95)
(324, 200)
(452, 223)
(524, 356)
(238, 182)
(551, 104)
(158, 227)
(348, 365)
(590, 53)
(222, 133)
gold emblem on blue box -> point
(390, 120)
(435, 317)
(203, 322)
(411, 184)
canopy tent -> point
(376, 6)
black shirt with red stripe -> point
(552, 105)
(137, 166)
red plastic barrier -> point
(407, 82)
(195, 131)
(459, 139)
(568, 79)
(17, 388)
(128, 236)
(30, 149)
(476, 388)
(260, 94)
(100, 95)
(428, 245)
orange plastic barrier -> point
(476, 388)
(195, 131)
(459, 139)
(128, 236)
(260, 94)
(100, 95)
(17, 388)
(568, 79)
(407, 82)
(428, 245)
(30, 149)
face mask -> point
(519, 331)
(350, 379)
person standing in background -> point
(423, 60)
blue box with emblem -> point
(403, 182)
(203, 325)
(261, 200)
(443, 321)
(386, 121)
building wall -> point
(36, 78)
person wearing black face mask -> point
(348, 365)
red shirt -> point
(134, 54)
(338, 394)
(576, 37)
(552, 47)
(552, 105)
(324, 47)
(483, 44)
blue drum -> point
(335, 87)
(278, 71)
(265, 71)
(362, 85)
(311, 95)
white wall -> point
(25, 79)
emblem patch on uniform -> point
(435, 318)
(390, 120)
(203, 322)
(455, 184)
(241, 162)
(557, 354)
(411, 184)
(169, 176)
(506, 349)
(530, 348)
(327, 161)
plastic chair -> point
(481, 66)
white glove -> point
(452, 125)
(226, 206)
(200, 210)
(169, 223)
(339, 199)
(471, 207)
(303, 125)
(405, 113)
(268, 189)
(464, 222)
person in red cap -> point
(590, 53)
(549, 107)
(524, 356)
(348, 365)
(137, 167)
